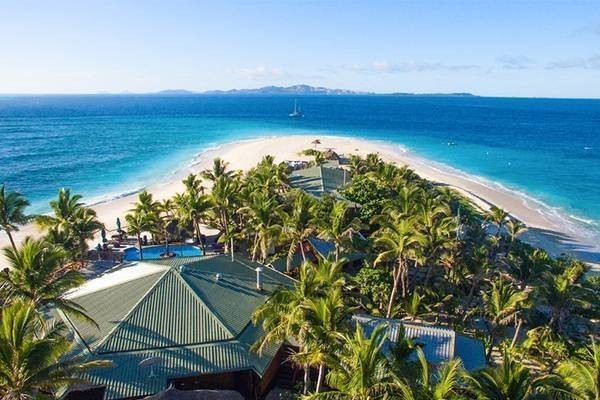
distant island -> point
(301, 90)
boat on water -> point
(296, 113)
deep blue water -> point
(103, 145)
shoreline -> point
(547, 227)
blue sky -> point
(520, 48)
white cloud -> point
(383, 66)
(516, 62)
(592, 62)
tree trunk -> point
(396, 276)
(199, 237)
(82, 250)
(488, 354)
(302, 251)
(288, 261)
(255, 247)
(139, 237)
(320, 378)
(12, 241)
(306, 378)
(516, 335)
(337, 252)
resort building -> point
(320, 179)
(182, 322)
(439, 344)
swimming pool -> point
(154, 252)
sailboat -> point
(296, 113)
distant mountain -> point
(295, 89)
(175, 91)
(300, 90)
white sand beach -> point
(546, 229)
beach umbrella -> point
(118, 224)
(316, 142)
(103, 233)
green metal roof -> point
(109, 306)
(157, 321)
(319, 179)
(194, 322)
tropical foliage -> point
(429, 255)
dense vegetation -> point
(429, 256)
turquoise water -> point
(106, 146)
(154, 252)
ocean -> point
(104, 146)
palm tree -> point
(527, 267)
(582, 375)
(361, 370)
(219, 169)
(339, 227)
(193, 207)
(284, 314)
(224, 199)
(193, 184)
(563, 294)
(299, 223)
(263, 213)
(72, 222)
(139, 222)
(12, 212)
(501, 304)
(510, 380)
(498, 217)
(326, 317)
(64, 208)
(83, 227)
(32, 364)
(36, 273)
(441, 385)
(515, 228)
(398, 237)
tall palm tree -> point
(563, 294)
(515, 228)
(64, 208)
(398, 237)
(36, 273)
(498, 217)
(219, 169)
(582, 375)
(193, 184)
(510, 380)
(146, 203)
(32, 364)
(263, 214)
(361, 370)
(326, 318)
(72, 222)
(139, 222)
(224, 197)
(298, 224)
(83, 227)
(444, 384)
(501, 304)
(284, 314)
(339, 227)
(193, 207)
(12, 212)
(528, 266)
